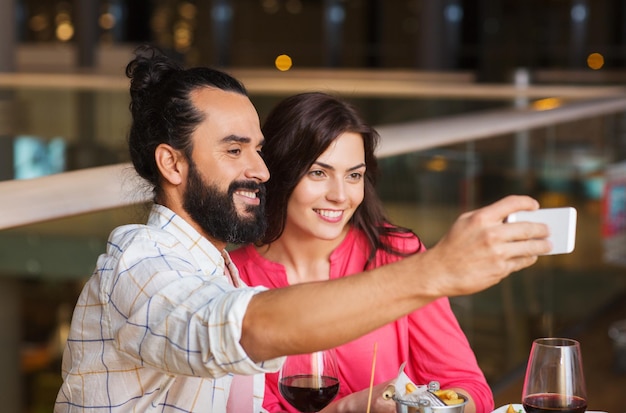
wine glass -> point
(554, 380)
(309, 382)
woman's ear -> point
(171, 162)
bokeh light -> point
(65, 31)
(293, 6)
(595, 61)
(62, 17)
(188, 10)
(106, 21)
(283, 62)
(547, 103)
(437, 163)
(38, 23)
(270, 6)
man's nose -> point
(257, 169)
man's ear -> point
(171, 162)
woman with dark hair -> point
(325, 221)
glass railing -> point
(560, 165)
(441, 154)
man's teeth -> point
(247, 194)
(328, 214)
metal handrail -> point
(354, 83)
(95, 189)
(431, 133)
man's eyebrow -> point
(236, 138)
(239, 139)
(332, 168)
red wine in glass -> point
(308, 393)
(546, 403)
(554, 380)
(309, 382)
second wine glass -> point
(309, 382)
(554, 380)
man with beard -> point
(164, 323)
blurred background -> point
(486, 37)
(474, 100)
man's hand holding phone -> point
(560, 221)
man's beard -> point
(215, 211)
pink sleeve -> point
(439, 351)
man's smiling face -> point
(225, 194)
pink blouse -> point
(430, 339)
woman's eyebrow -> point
(359, 166)
(332, 168)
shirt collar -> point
(201, 248)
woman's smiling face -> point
(328, 194)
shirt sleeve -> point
(439, 351)
(166, 313)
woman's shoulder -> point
(255, 269)
(245, 255)
(400, 238)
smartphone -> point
(562, 224)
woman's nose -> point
(336, 191)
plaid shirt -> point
(157, 326)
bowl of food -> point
(425, 406)
(423, 398)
